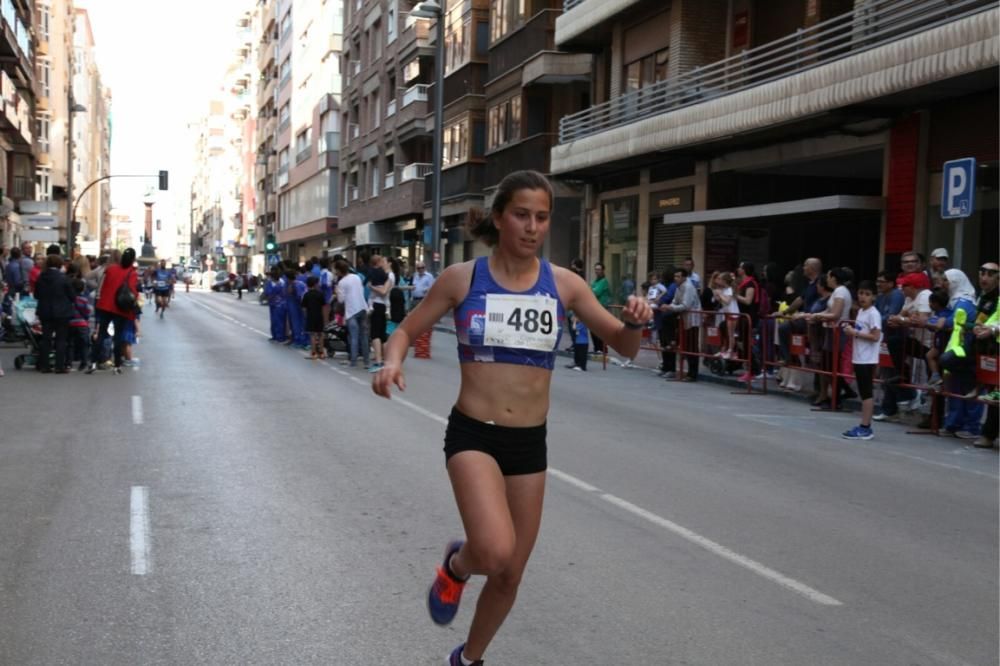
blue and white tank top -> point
(496, 325)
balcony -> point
(415, 39)
(284, 125)
(535, 36)
(457, 182)
(415, 171)
(265, 90)
(417, 93)
(583, 21)
(390, 108)
(266, 55)
(886, 47)
(532, 153)
(401, 201)
(302, 155)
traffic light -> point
(270, 244)
(163, 180)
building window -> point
(45, 77)
(373, 172)
(303, 145)
(506, 16)
(504, 123)
(647, 70)
(390, 22)
(457, 146)
(457, 38)
(285, 73)
(44, 13)
(43, 133)
(284, 117)
(44, 185)
(376, 108)
(286, 26)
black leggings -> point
(103, 319)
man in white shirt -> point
(351, 293)
(422, 283)
(693, 277)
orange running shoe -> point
(446, 592)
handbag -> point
(125, 299)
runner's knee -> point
(492, 558)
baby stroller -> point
(335, 338)
(30, 328)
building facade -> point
(91, 142)
(17, 121)
(505, 87)
(297, 140)
(733, 130)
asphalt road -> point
(230, 502)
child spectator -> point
(313, 303)
(940, 322)
(722, 291)
(581, 340)
(867, 334)
(79, 326)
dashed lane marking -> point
(137, 409)
(139, 531)
(679, 530)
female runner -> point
(508, 311)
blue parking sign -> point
(958, 188)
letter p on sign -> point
(958, 188)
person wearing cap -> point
(916, 286)
(940, 260)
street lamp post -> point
(431, 9)
(72, 107)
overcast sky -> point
(162, 59)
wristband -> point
(632, 327)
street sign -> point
(958, 189)
(273, 259)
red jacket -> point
(114, 275)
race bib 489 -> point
(519, 321)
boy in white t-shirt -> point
(867, 334)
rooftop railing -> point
(875, 23)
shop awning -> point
(818, 204)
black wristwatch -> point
(633, 327)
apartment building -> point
(530, 86)
(17, 120)
(91, 141)
(266, 163)
(779, 129)
(386, 144)
(215, 203)
(299, 86)
(505, 86)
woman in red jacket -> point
(107, 308)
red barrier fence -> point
(817, 347)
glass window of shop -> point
(620, 244)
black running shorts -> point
(516, 450)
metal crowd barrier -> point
(824, 362)
(895, 365)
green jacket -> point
(602, 290)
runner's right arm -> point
(445, 294)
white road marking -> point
(137, 409)
(679, 530)
(139, 531)
(725, 553)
